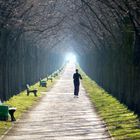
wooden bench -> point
(43, 83)
(61, 69)
(31, 90)
(5, 110)
(55, 74)
(49, 78)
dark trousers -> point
(76, 89)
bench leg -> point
(27, 93)
(35, 93)
(11, 112)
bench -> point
(61, 69)
(43, 83)
(55, 74)
(31, 90)
(49, 78)
(5, 110)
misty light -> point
(70, 57)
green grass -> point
(23, 103)
(122, 123)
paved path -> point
(59, 116)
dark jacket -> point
(76, 77)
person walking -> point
(76, 81)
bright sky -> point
(71, 58)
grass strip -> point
(122, 123)
(23, 103)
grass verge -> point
(23, 102)
(122, 123)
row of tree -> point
(28, 32)
(109, 32)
